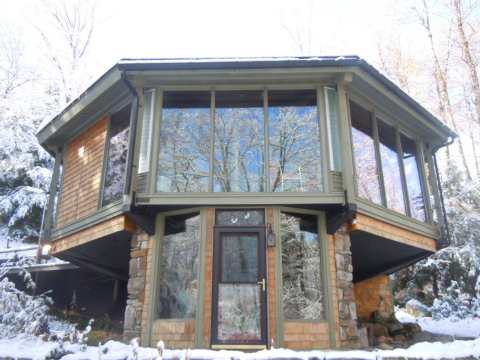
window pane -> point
(179, 267)
(412, 175)
(239, 258)
(301, 273)
(364, 154)
(392, 177)
(183, 161)
(117, 156)
(239, 217)
(334, 131)
(146, 139)
(295, 163)
(239, 142)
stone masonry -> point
(136, 284)
(347, 312)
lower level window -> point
(179, 267)
(301, 267)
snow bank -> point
(33, 348)
(467, 328)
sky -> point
(212, 28)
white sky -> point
(189, 28)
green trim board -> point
(99, 216)
(395, 218)
(203, 199)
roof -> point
(125, 65)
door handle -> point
(262, 282)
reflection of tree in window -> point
(364, 154)
(412, 175)
(239, 141)
(183, 162)
(295, 163)
(301, 273)
(117, 156)
(178, 287)
(391, 167)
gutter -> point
(440, 190)
(131, 149)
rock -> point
(377, 330)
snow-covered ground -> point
(33, 348)
(465, 328)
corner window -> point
(184, 154)
(302, 290)
(147, 128)
(178, 286)
(392, 176)
(294, 141)
(412, 176)
(239, 142)
(368, 185)
(114, 181)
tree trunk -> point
(467, 56)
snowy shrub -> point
(20, 312)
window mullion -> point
(406, 197)
(154, 155)
(323, 138)
(378, 158)
(212, 140)
(266, 142)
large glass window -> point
(117, 156)
(302, 295)
(239, 142)
(364, 154)
(294, 130)
(331, 103)
(183, 161)
(147, 126)
(392, 176)
(412, 176)
(56, 194)
(178, 287)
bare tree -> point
(467, 53)
(440, 75)
(74, 23)
(13, 73)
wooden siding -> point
(392, 232)
(82, 174)
(97, 231)
(374, 295)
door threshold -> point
(238, 347)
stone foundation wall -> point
(374, 295)
(348, 331)
(140, 244)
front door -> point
(239, 288)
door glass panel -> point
(239, 142)
(239, 217)
(239, 312)
(239, 258)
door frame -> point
(216, 276)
